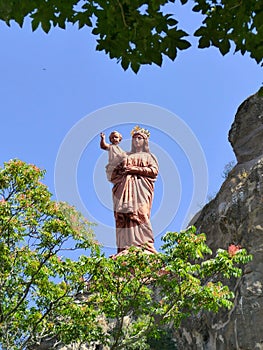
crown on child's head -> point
(138, 130)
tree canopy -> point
(122, 302)
(137, 32)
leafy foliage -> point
(124, 302)
(231, 21)
(142, 294)
(137, 32)
(36, 283)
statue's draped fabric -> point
(132, 201)
(116, 159)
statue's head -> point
(115, 137)
(145, 134)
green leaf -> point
(202, 31)
(34, 24)
(95, 31)
(46, 25)
(61, 23)
(157, 59)
(172, 22)
(172, 52)
(20, 21)
(183, 44)
(125, 63)
(135, 67)
(176, 33)
(224, 46)
(197, 8)
(203, 42)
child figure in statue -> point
(116, 162)
(116, 154)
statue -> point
(133, 175)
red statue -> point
(133, 175)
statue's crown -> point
(138, 130)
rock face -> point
(235, 215)
(246, 132)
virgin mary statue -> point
(132, 192)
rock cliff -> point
(235, 215)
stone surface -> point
(235, 215)
(246, 132)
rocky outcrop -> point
(246, 132)
(235, 215)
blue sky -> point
(49, 83)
